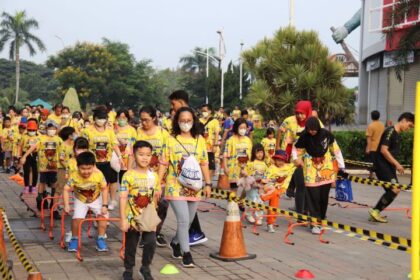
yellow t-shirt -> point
(48, 153)
(269, 148)
(281, 176)
(87, 190)
(55, 118)
(17, 140)
(101, 143)
(8, 136)
(77, 125)
(374, 131)
(167, 124)
(173, 154)
(138, 184)
(211, 133)
(28, 141)
(126, 137)
(112, 116)
(238, 153)
(66, 153)
(257, 169)
(291, 131)
(72, 166)
(157, 140)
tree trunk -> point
(17, 57)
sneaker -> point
(112, 205)
(197, 238)
(250, 219)
(176, 251)
(56, 215)
(270, 229)
(376, 216)
(187, 260)
(259, 222)
(101, 245)
(288, 197)
(68, 236)
(145, 273)
(160, 240)
(25, 190)
(127, 275)
(73, 245)
(34, 190)
(316, 230)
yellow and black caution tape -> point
(367, 164)
(395, 242)
(4, 270)
(373, 182)
(16, 246)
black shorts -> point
(49, 178)
(212, 161)
(385, 172)
(111, 176)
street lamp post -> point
(240, 73)
(222, 51)
(217, 59)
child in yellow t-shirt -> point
(7, 137)
(90, 193)
(269, 144)
(251, 179)
(139, 187)
(278, 178)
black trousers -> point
(30, 165)
(131, 242)
(297, 189)
(162, 211)
(317, 200)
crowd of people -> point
(146, 161)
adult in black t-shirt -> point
(386, 165)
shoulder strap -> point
(209, 120)
(182, 145)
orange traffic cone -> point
(304, 274)
(34, 276)
(223, 182)
(14, 177)
(232, 247)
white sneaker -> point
(316, 230)
(259, 222)
(270, 229)
(112, 205)
(68, 236)
(250, 219)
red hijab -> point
(303, 107)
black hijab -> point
(315, 145)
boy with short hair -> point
(90, 193)
(7, 137)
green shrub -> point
(353, 144)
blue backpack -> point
(343, 191)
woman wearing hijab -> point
(287, 135)
(318, 153)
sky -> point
(165, 30)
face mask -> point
(74, 136)
(100, 122)
(185, 127)
(242, 131)
(36, 116)
(65, 116)
(205, 114)
(122, 123)
(31, 133)
(51, 132)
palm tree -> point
(17, 29)
(196, 62)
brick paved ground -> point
(343, 258)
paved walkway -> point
(343, 258)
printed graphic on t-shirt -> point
(88, 191)
(50, 151)
(101, 150)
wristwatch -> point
(105, 205)
(208, 185)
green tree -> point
(292, 66)
(197, 61)
(17, 29)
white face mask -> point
(205, 114)
(31, 133)
(242, 131)
(65, 116)
(74, 136)
(100, 122)
(51, 132)
(36, 115)
(185, 127)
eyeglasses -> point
(146, 120)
